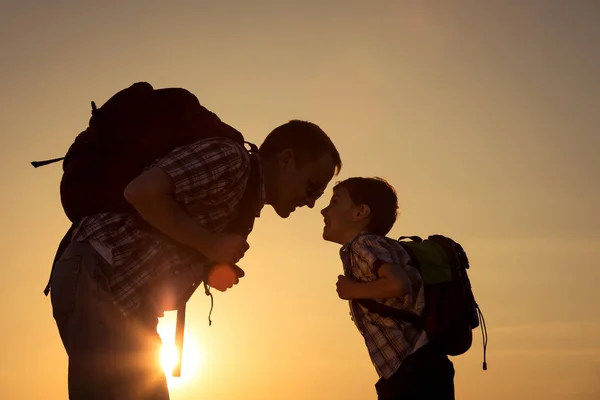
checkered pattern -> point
(210, 177)
(388, 342)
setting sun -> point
(168, 357)
(191, 359)
(484, 116)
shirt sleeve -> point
(372, 251)
(205, 168)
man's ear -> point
(285, 157)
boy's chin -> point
(328, 237)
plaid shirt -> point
(209, 177)
(388, 342)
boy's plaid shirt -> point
(209, 177)
(388, 342)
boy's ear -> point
(362, 212)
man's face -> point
(340, 217)
(298, 186)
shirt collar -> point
(348, 244)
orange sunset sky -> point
(483, 114)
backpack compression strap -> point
(37, 164)
(391, 312)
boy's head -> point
(357, 205)
(299, 160)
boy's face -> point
(343, 219)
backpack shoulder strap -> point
(248, 205)
(397, 314)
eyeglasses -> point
(314, 190)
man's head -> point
(299, 161)
(357, 205)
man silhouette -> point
(116, 277)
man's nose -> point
(311, 200)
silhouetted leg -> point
(426, 374)
(110, 356)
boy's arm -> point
(393, 282)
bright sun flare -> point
(192, 357)
(168, 357)
(191, 362)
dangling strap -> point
(208, 293)
(484, 336)
(179, 331)
(37, 164)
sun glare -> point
(169, 357)
(191, 358)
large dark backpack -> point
(132, 129)
(451, 312)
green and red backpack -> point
(451, 312)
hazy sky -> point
(484, 115)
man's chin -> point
(282, 212)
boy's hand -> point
(393, 282)
(346, 287)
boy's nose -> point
(323, 211)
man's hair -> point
(381, 198)
(305, 139)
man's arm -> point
(151, 194)
(190, 172)
(393, 282)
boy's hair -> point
(381, 198)
(307, 140)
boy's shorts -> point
(425, 374)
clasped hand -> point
(346, 287)
(226, 250)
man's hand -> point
(226, 248)
(346, 287)
(223, 276)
